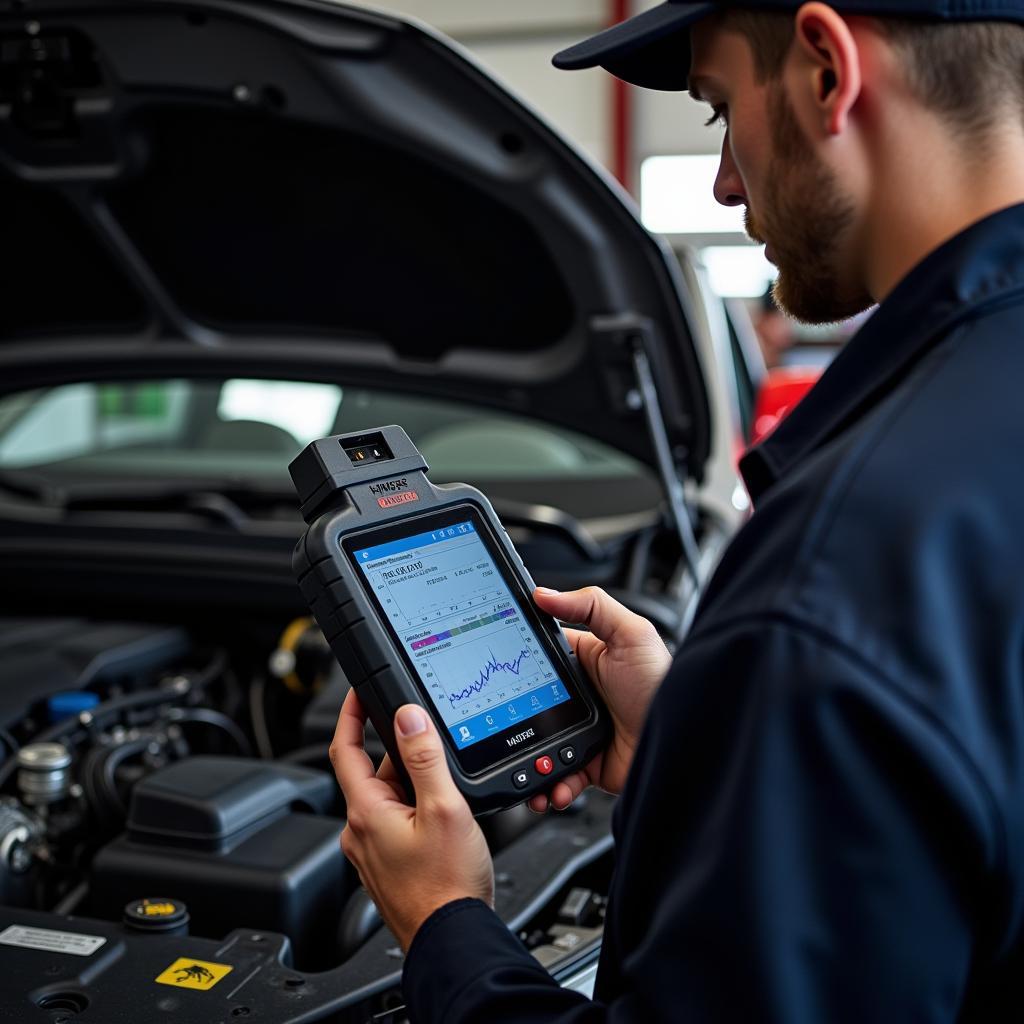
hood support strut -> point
(670, 478)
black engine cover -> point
(241, 843)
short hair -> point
(957, 69)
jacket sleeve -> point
(800, 840)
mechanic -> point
(822, 812)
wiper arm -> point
(31, 485)
(221, 501)
(220, 504)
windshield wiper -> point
(223, 502)
(31, 485)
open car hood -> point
(310, 190)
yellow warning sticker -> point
(200, 974)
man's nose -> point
(728, 188)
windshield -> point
(247, 431)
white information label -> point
(53, 942)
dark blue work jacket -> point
(825, 818)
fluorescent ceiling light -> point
(738, 270)
(676, 197)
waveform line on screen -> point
(485, 674)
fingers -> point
(352, 765)
(561, 795)
(423, 755)
(605, 617)
(575, 637)
(564, 792)
(538, 803)
(350, 760)
(388, 774)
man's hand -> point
(412, 860)
(626, 660)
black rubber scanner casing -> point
(336, 499)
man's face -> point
(794, 201)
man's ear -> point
(832, 61)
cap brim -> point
(651, 49)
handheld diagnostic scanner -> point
(424, 600)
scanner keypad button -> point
(544, 765)
(521, 778)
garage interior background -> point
(656, 144)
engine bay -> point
(169, 829)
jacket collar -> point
(981, 266)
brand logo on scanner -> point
(513, 741)
(389, 486)
(391, 489)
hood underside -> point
(316, 191)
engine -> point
(169, 819)
(131, 771)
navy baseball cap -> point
(652, 49)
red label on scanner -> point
(398, 499)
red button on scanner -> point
(544, 765)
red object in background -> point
(778, 395)
(622, 126)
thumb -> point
(605, 617)
(422, 753)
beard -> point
(805, 217)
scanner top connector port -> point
(366, 448)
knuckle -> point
(334, 753)
(596, 597)
(356, 821)
(423, 758)
(447, 810)
(352, 854)
(347, 843)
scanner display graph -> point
(474, 651)
(484, 677)
(474, 675)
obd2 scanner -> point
(424, 600)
